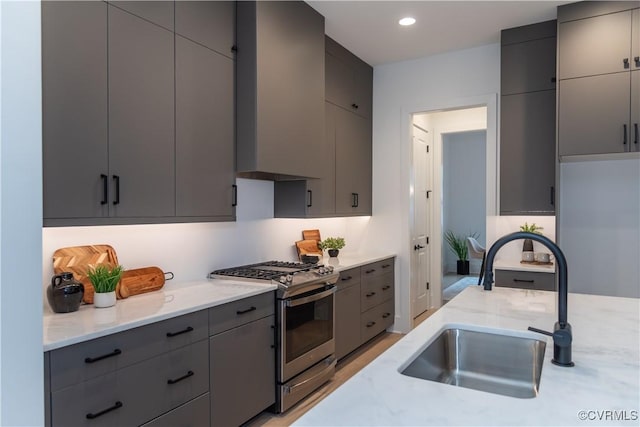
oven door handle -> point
(331, 364)
(311, 298)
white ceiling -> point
(370, 29)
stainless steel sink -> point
(491, 362)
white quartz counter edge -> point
(347, 261)
(174, 299)
(606, 377)
(501, 264)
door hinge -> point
(428, 191)
(427, 240)
(427, 285)
(427, 148)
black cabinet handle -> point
(625, 61)
(184, 377)
(234, 201)
(552, 193)
(234, 48)
(310, 202)
(370, 271)
(635, 127)
(370, 294)
(524, 281)
(354, 105)
(553, 79)
(384, 288)
(637, 59)
(344, 279)
(246, 311)
(386, 266)
(354, 200)
(116, 179)
(357, 200)
(624, 136)
(384, 316)
(184, 331)
(105, 189)
(115, 406)
(115, 352)
(370, 324)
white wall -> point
(599, 226)
(439, 82)
(464, 190)
(21, 357)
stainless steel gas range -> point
(305, 331)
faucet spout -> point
(562, 336)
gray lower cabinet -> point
(159, 12)
(347, 308)
(242, 359)
(525, 280)
(192, 414)
(209, 23)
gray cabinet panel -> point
(635, 111)
(635, 40)
(242, 372)
(141, 116)
(595, 45)
(530, 32)
(386, 266)
(347, 320)
(527, 153)
(526, 280)
(158, 12)
(210, 23)
(192, 414)
(592, 112)
(348, 278)
(339, 81)
(204, 131)
(518, 60)
(376, 290)
(376, 320)
(74, 104)
(280, 97)
(236, 313)
(586, 9)
(353, 163)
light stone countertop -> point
(606, 351)
(503, 264)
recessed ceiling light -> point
(407, 21)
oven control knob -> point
(330, 268)
(289, 278)
(321, 270)
(283, 279)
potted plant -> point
(104, 279)
(458, 246)
(527, 246)
(332, 245)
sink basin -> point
(490, 362)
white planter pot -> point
(104, 300)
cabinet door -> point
(209, 23)
(74, 107)
(353, 163)
(635, 111)
(593, 113)
(595, 45)
(141, 117)
(635, 42)
(347, 320)
(363, 88)
(527, 153)
(528, 66)
(242, 368)
(158, 12)
(323, 191)
(204, 131)
(339, 81)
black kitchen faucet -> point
(562, 329)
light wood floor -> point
(346, 368)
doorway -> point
(434, 185)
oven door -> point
(307, 331)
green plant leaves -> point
(103, 278)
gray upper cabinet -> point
(141, 117)
(598, 45)
(280, 91)
(204, 131)
(528, 120)
(209, 23)
(74, 65)
(159, 12)
(353, 163)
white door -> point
(422, 198)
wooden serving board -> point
(311, 235)
(141, 280)
(308, 247)
(77, 260)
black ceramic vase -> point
(333, 253)
(64, 293)
(463, 267)
(527, 246)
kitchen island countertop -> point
(602, 388)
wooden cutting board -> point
(308, 247)
(141, 280)
(311, 235)
(77, 260)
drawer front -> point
(526, 280)
(192, 414)
(377, 268)
(376, 320)
(137, 393)
(348, 278)
(347, 309)
(80, 362)
(376, 290)
(236, 313)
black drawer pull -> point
(386, 266)
(384, 316)
(184, 377)
(105, 189)
(625, 61)
(184, 331)
(384, 288)
(624, 134)
(370, 294)
(524, 281)
(344, 279)
(354, 105)
(234, 196)
(635, 126)
(370, 324)
(246, 311)
(637, 59)
(116, 179)
(115, 352)
(370, 271)
(116, 405)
